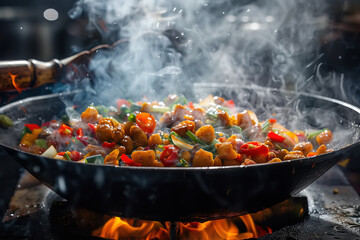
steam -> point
(176, 43)
(175, 46)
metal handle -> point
(22, 74)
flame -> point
(13, 77)
(120, 228)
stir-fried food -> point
(172, 133)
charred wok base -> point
(173, 194)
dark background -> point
(26, 34)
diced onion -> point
(253, 117)
(180, 144)
(50, 152)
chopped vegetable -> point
(179, 100)
(80, 132)
(41, 143)
(50, 152)
(135, 107)
(75, 156)
(182, 163)
(29, 138)
(194, 138)
(254, 148)
(129, 161)
(170, 134)
(236, 129)
(108, 145)
(132, 118)
(123, 111)
(65, 119)
(180, 143)
(32, 126)
(207, 147)
(265, 126)
(160, 109)
(272, 121)
(312, 134)
(230, 103)
(24, 131)
(169, 156)
(95, 159)
(122, 102)
(5, 121)
(66, 156)
(83, 140)
(212, 114)
(253, 117)
(103, 110)
(65, 130)
(275, 137)
(146, 122)
(92, 127)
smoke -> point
(178, 46)
(175, 43)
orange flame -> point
(13, 77)
(119, 228)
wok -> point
(185, 194)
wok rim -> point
(212, 168)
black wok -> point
(185, 194)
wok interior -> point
(295, 111)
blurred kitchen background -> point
(43, 30)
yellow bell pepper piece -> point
(29, 138)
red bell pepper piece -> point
(129, 161)
(146, 122)
(92, 127)
(272, 121)
(32, 126)
(121, 102)
(80, 132)
(191, 105)
(83, 140)
(61, 153)
(275, 137)
(254, 148)
(169, 156)
(65, 130)
(230, 104)
(47, 124)
(108, 145)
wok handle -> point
(22, 74)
